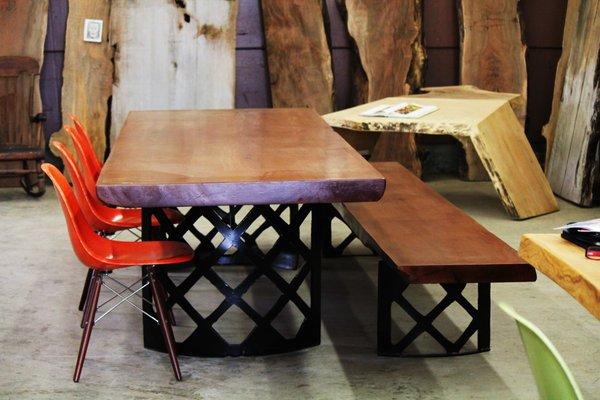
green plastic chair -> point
(552, 376)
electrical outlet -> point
(92, 30)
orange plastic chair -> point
(100, 217)
(87, 149)
(102, 256)
(91, 168)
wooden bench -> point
(423, 238)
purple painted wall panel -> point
(249, 25)
(57, 24)
(51, 74)
(440, 23)
(442, 67)
(338, 32)
(343, 60)
(543, 22)
(251, 79)
(50, 85)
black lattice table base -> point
(237, 239)
(330, 248)
(391, 290)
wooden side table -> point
(480, 120)
(566, 264)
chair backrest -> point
(552, 376)
(88, 170)
(17, 91)
(89, 247)
(87, 147)
(94, 212)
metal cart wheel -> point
(34, 184)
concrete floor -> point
(39, 335)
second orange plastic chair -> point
(101, 217)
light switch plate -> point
(92, 30)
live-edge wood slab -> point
(228, 157)
(573, 164)
(427, 238)
(298, 54)
(487, 120)
(391, 59)
(565, 264)
(87, 75)
(172, 55)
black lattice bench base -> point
(424, 239)
(391, 290)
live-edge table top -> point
(227, 157)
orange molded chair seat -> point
(85, 149)
(103, 255)
(91, 168)
(122, 254)
(98, 215)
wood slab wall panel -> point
(492, 57)
(571, 18)
(574, 164)
(172, 55)
(23, 25)
(298, 54)
(388, 40)
(492, 48)
(87, 74)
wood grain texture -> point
(388, 39)
(487, 120)
(571, 18)
(298, 54)
(513, 168)
(172, 55)
(23, 28)
(492, 53)
(565, 264)
(87, 74)
(23, 25)
(22, 34)
(427, 238)
(17, 84)
(224, 157)
(492, 56)
(574, 164)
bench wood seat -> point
(428, 239)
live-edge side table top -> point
(225, 157)
(565, 264)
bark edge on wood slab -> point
(574, 164)
(299, 59)
(387, 37)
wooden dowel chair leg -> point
(85, 290)
(95, 285)
(165, 325)
(86, 310)
(170, 314)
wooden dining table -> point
(201, 160)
